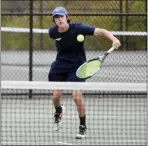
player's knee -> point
(76, 95)
(57, 94)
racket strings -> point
(89, 69)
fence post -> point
(120, 25)
(41, 25)
(126, 25)
(31, 45)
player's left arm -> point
(103, 32)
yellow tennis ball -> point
(80, 38)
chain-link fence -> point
(27, 54)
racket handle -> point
(110, 50)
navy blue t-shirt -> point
(70, 52)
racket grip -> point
(110, 50)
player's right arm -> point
(103, 32)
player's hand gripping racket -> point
(89, 68)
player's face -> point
(60, 20)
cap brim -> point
(61, 14)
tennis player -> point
(70, 55)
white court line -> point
(14, 143)
(64, 143)
(136, 141)
(25, 143)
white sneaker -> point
(82, 132)
(58, 119)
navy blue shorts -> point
(69, 77)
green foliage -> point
(11, 40)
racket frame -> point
(100, 58)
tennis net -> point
(115, 113)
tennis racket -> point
(91, 67)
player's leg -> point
(78, 99)
(59, 109)
(56, 100)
